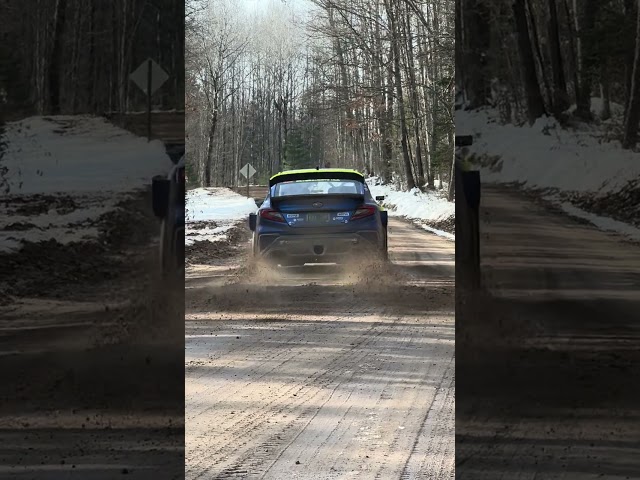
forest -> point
(75, 56)
(364, 84)
(567, 53)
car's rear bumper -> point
(319, 248)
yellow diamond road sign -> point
(247, 171)
(158, 76)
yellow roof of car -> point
(312, 170)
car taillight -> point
(271, 214)
(364, 211)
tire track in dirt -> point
(294, 339)
(333, 438)
(550, 377)
(323, 375)
(426, 446)
(318, 380)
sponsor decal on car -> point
(343, 214)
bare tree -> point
(360, 84)
(76, 58)
(632, 117)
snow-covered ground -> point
(547, 156)
(421, 207)
(578, 161)
(603, 223)
(212, 212)
(66, 154)
(59, 174)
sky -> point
(261, 6)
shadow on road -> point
(547, 360)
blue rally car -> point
(168, 197)
(319, 216)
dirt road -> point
(91, 353)
(166, 126)
(91, 369)
(323, 372)
(549, 381)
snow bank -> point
(211, 212)
(66, 154)
(597, 104)
(546, 156)
(59, 174)
(603, 223)
(429, 207)
(440, 233)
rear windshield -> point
(318, 187)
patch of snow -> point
(213, 204)
(80, 158)
(9, 244)
(415, 205)
(13, 240)
(221, 206)
(65, 228)
(546, 156)
(66, 154)
(603, 223)
(597, 104)
(90, 210)
(208, 234)
(440, 233)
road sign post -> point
(149, 77)
(248, 171)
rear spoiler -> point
(315, 175)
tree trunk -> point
(605, 91)
(574, 48)
(415, 103)
(121, 80)
(93, 103)
(632, 115)
(389, 145)
(386, 145)
(451, 193)
(475, 17)
(344, 88)
(210, 145)
(535, 103)
(560, 100)
(630, 10)
(56, 57)
(538, 51)
(398, 83)
(460, 49)
(587, 57)
(452, 183)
